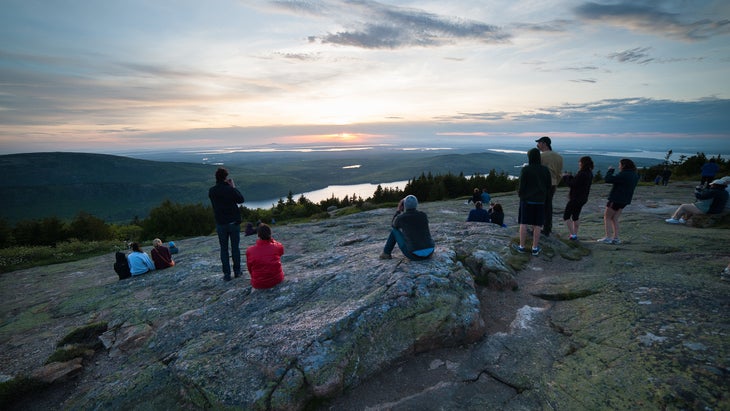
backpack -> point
(121, 266)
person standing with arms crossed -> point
(533, 192)
(225, 198)
(554, 162)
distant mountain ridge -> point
(117, 188)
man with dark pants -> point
(554, 162)
(410, 231)
(225, 198)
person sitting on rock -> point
(139, 261)
(263, 260)
(161, 255)
(478, 213)
(496, 214)
(411, 232)
(475, 196)
(712, 200)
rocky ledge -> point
(641, 325)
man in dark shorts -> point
(534, 189)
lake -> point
(339, 191)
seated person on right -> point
(496, 214)
(161, 255)
(712, 200)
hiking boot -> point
(536, 251)
(385, 256)
(520, 249)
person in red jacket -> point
(264, 260)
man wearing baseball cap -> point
(554, 162)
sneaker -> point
(536, 251)
(227, 277)
(672, 221)
(385, 256)
(573, 237)
(520, 249)
(605, 240)
(682, 221)
(616, 241)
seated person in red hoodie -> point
(161, 255)
(264, 260)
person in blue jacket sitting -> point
(478, 213)
(139, 261)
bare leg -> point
(614, 222)
(576, 224)
(607, 215)
(535, 235)
(523, 234)
(570, 225)
(687, 210)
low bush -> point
(19, 257)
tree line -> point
(173, 220)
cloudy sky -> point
(103, 76)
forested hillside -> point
(118, 189)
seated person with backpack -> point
(161, 255)
(139, 261)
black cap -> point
(544, 139)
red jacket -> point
(264, 263)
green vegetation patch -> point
(86, 335)
(68, 353)
(27, 320)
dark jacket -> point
(496, 217)
(414, 226)
(535, 180)
(479, 215)
(624, 184)
(580, 185)
(719, 198)
(225, 200)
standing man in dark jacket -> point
(533, 191)
(554, 162)
(411, 232)
(225, 198)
